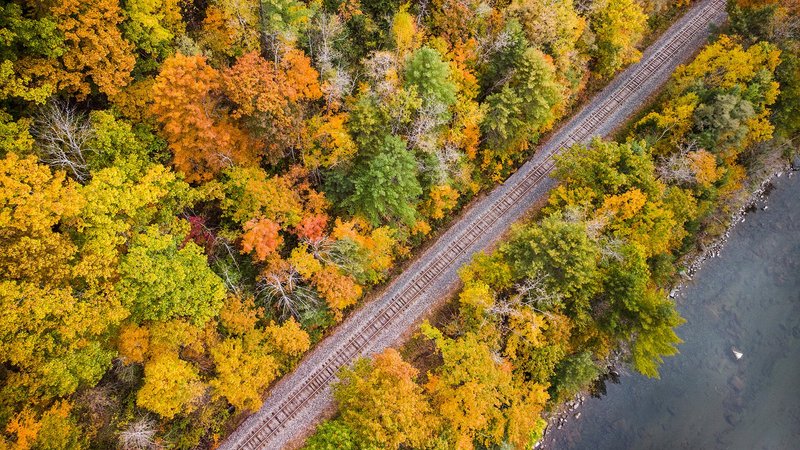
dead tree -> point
(677, 167)
(138, 435)
(63, 135)
(431, 116)
(284, 291)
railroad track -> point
(300, 398)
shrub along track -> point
(300, 398)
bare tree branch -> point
(283, 291)
(138, 435)
(63, 135)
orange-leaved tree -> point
(270, 97)
(94, 52)
(186, 102)
(338, 290)
(262, 236)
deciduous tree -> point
(261, 236)
(441, 199)
(134, 343)
(186, 104)
(152, 25)
(171, 385)
(249, 193)
(244, 368)
(338, 289)
(231, 27)
(656, 337)
(312, 228)
(27, 42)
(404, 31)
(305, 263)
(114, 142)
(288, 341)
(34, 202)
(95, 53)
(53, 338)
(15, 136)
(469, 389)
(54, 341)
(330, 143)
(285, 289)
(56, 429)
(333, 435)
(63, 134)
(121, 202)
(720, 100)
(554, 27)
(382, 404)
(606, 168)
(360, 251)
(239, 316)
(271, 97)
(160, 281)
(619, 26)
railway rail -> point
(300, 398)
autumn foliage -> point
(192, 193)
(186, 104)
(271, 97)
(261, 236)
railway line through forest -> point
(300, 398)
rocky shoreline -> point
(560, 418)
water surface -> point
(748, 298)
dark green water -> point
(748, 298)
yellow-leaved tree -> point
(382, 403)
(171, 386)
(619, 26)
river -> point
(748, 298)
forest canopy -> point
(193, 192)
